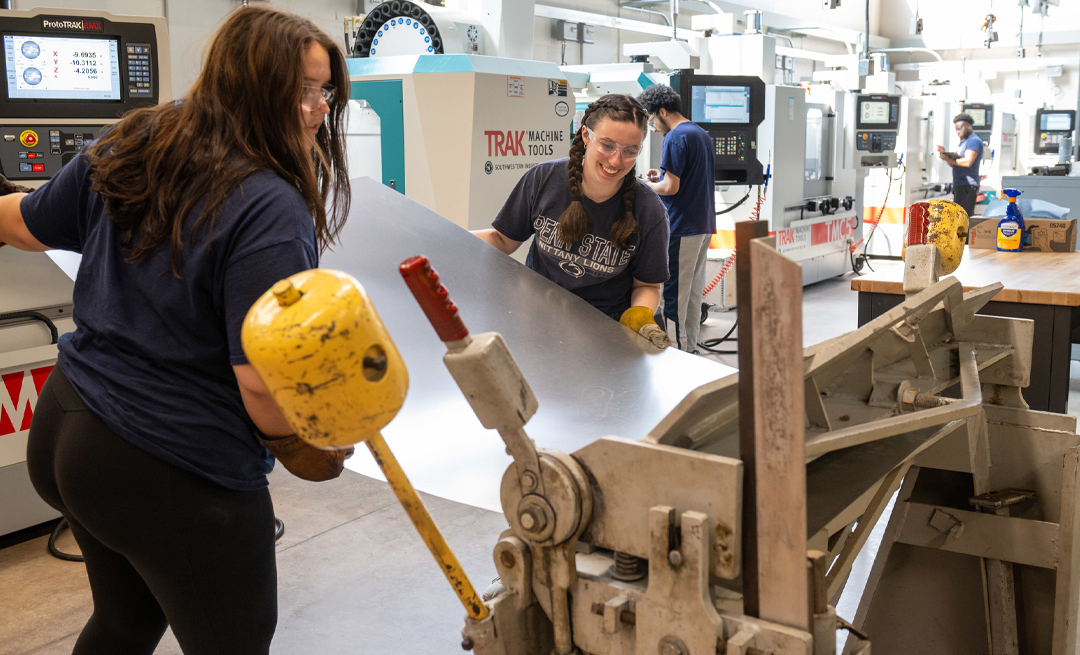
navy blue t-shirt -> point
(595, 270)
(689, 155)
(968, 175)
(152, 354)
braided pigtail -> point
(627, 226)
(575, 222)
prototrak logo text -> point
(78, 24)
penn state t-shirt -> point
(152, 353)
(593, 269)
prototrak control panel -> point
(877, 126)
(68, 75)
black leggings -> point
(163, 547)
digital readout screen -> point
(61, 68)
(720, 104)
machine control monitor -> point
(720, 104)
(1051, 126)
(729, 108)
(68, 74)
(52, 63)
(878, 112)
(981, 115)
(61, 68)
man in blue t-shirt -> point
(685, 183)
(965, 163)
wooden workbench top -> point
(1037, 278)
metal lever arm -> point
(429, 532)
(482, 366)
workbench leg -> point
(866, 304)
(1067, 593)
(1060, 356)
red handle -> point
(918, 217)
(433, 297)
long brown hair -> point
(575, 222)
(241, 116)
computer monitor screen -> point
(720, 104)
(874, 112)
(979, 118)
(1059, 122)
(61, 68)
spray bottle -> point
(1010, 230)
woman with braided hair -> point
(599, 231)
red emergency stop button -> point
(28, 138)
(39, 168)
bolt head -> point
(669, 648)
(675, 558)
(532, 519)
(528, 480)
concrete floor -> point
(353, 575)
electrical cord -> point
(762, 193)
(738, 203)
(10, 316)
(707, 346)
(279, 525)
(279, 532)
(56, 552)
(54, 333)
(858, 262)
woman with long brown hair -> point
(153, 435)
(599, 231)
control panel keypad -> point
(138, 69)
(26, 153)
(876, 141)
(730, 145)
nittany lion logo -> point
(572, 269)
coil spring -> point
(628, 567)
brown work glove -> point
(306, 461)
(640, 319)
(7, 186)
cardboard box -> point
(1040, 234)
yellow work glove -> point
(640, 319)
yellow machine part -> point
(947, 228)
(324, 354)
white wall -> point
(953, 25)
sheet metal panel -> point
(592, 376)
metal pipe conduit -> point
(913, 49)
